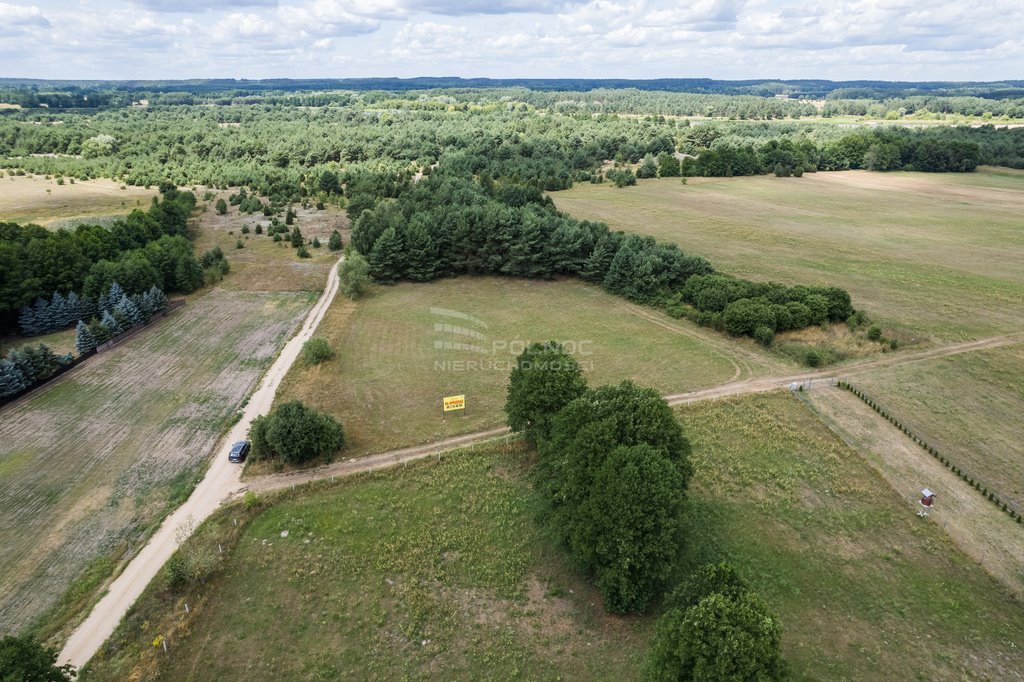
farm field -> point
(92, 462)
(265, 265)
(402, 349)
(865, 589)
(436, 569)
(968, 406)
(34, 199)
(931, 256)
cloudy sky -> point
(838, 39)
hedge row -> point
(973, 482)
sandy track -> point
(222, 480)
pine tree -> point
(388, 258)
(28, 320)
(159, 298)
(422, 254)
(596, 266)
(334, 243)
(58, 311)
(296, 237)
(111, 323)
(73, 309)
(85, 342)
(11, 379)
(110, 299)
(131, 313)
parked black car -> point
(239, 451)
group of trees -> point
(448, 225)
(759, 309)
(145, 249)
(23, 659)
(294, 433)
(612, 470)
(26, 366)
(714, 628)
(117, 313)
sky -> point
(727, 39)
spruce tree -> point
(28, 321)
(388, 258)
(73, 309)
(85, 342)
(131, 313)
(111, 323)
(11, 378)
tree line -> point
(612, 469)
(146, 249)
(448, 225)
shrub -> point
(764, 335)
(812, 357)
(245, 229)
(303, 252)
(295, 434)
(315, 351)
(874, 332)
(259, 229)
(239, 244)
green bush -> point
(315, 351)
(295, 434)
(875, 332)
(764, 335)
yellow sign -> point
(454, 402)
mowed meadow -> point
(930, 256)
(438, 570)
(92, 461)
(401, 349)
(40, 200)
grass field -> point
(34, 199)
(94, 460)
(265, 265)
(404, 348)
(929, 255)
(437, 571)
(970, 407)
(865, 589)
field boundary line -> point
(975, 483)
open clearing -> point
(263, 264)
(34, 199)
(93, 461)
(403, 348)
(929, 255)
(970, 407)
(437, 570)
(866, 590)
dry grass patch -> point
(934, 254)
(93, 461)
(265, 265)
(34, 199)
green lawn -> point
(436, 570)
(403, 348)
(931, 255)
(970, 407)
(866, 590)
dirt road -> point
(222, 480)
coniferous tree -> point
(85, 342)
(388, 258)
(334, 243)
(111, 323)
(127, 308)
(11, 378)
(422, 254)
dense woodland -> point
(488, 154)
